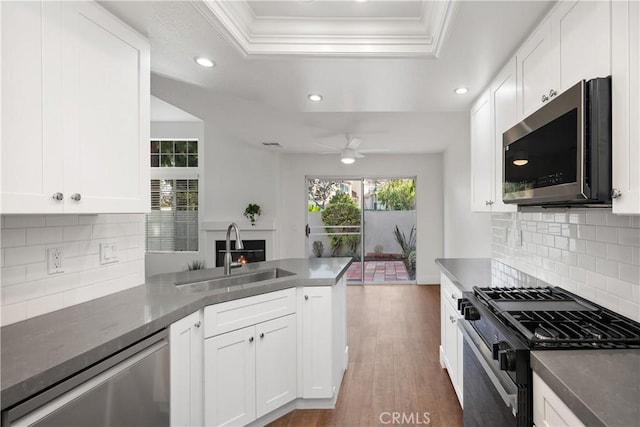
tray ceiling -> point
(415, 28)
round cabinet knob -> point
(306, 297)
(197, 325)
(452, 319)
(76, 197)
(615, 193)
(552, 93)
(262, 335)
(544, 98)
(453, 296)
(250, 339)
(57, 197)
(507, 359)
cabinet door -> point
(583, 33)
(505, 107)
(187, 352)
(537, 69)
(548, 409)
(626, 106)
(316, 343)
(482, 155)
(451, 342)
(106, 111)
(275, 364)
(32, 153)
(229, 378)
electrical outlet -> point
(108, 252)
(54, 261)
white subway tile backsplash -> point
(587, 232)
(13, 275)
(593, 253)
(620, 253)
(78, 232)
(24, 221)
(24, 255)
(607, 234)
(596, 218)
(60, 220)
(630, 273)
(629, 237)
(43, 235)
(27, 289)
(597, 249)
(12, 237)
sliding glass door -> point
(372, 220)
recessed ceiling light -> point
(314, 97)
(461, 90)
(205, 62)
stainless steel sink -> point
(233, 280)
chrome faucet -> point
(227, 254)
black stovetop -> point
(553, 318)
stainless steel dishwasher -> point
(130, 388)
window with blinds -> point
(172, 225)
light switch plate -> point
(108, 252)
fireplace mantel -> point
(244, 225)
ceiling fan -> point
(350, 153)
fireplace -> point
(254, 251)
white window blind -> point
(172, 225)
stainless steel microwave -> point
(561, 154)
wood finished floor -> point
(393, 336)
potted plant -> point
(318, 248)
(252, 212)
(195, 265)
(408, 246)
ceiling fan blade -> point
(328, 152)
(358, 155)
(335, 149)
(374, 150)
(353, 142)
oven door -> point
(490, 395)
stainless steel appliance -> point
(502, 326)
(130, 388)
(561, 154)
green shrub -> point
(342, 210)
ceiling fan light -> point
(347, 160)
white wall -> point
(593, 253)
(27, 289)
(427, 168)
(156, 263)
(466, 234)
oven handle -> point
(473, 339)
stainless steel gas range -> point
(502, 326)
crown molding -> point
(421, 36)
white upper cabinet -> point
(492, 114)
(625, 57)
(75, 110)
(481, 154)
(536, 70)
(571, 44)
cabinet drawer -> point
(228, 316)
(449, 291)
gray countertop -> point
(39, 352)
(601, 387)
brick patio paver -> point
(378, 271)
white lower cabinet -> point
(548, 409)
(451, 339)
(250, 372)
(324, 343)
(186, 348)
